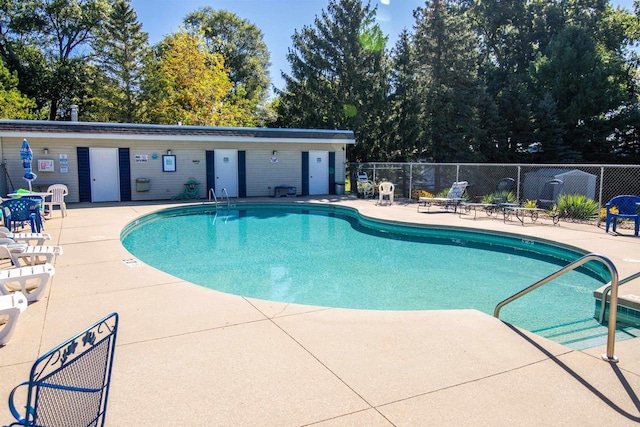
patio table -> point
(521, 213)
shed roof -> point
(97, 130)
(557, 172)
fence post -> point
(410, 180)
(518, 185)
(600, 196)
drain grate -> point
(132, 262)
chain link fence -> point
(597, 182)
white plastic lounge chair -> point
(39, 238)
(30, 255)
(33, 255)
(31, 280)
(11, 305)
(454, 197)
(8, 245)
(385, 192)
(55, 196)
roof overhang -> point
(117, 131)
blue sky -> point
(277, 19)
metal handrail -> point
(613, 305)
(226, 195)
(212, 195)
(605, 292)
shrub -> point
(416, 194)
(603, 212)
(499, 197)
(443, 193)
(529, 204)
(577, 206)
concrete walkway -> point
(189, 355)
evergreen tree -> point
(549, 146)
(339, 77)
(506, 48)
(450, 91)
(405, 143)
(120, 48)
(585, 87)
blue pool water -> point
(331, 256)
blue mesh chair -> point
(69, 385)
(19, 211)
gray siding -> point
(262, 174)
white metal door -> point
(225, 166)
(105, 182)
(318, 172)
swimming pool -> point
(331, 256)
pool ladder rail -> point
(605, 293)
(613, 303)
(214, 199)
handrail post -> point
(605, 292)
(613, 312)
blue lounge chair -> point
(628, 208)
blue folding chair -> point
(69, 385)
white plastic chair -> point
(11, 305)
(55, 196)
(386, 190)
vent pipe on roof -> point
(74, 112)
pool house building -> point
(104, 162)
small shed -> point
(575, 182)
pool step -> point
(585, 334)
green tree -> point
(120, 48)
(553, 60)
(586, 87)
(188, 84)
(240, 44)
(13, 104)
(506, 47)
(449, 87)
(339, 77)
(405, 130)
(43, 41)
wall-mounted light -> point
(169, 151)
(46, 151)
(275, 153)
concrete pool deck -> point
(188, 355)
